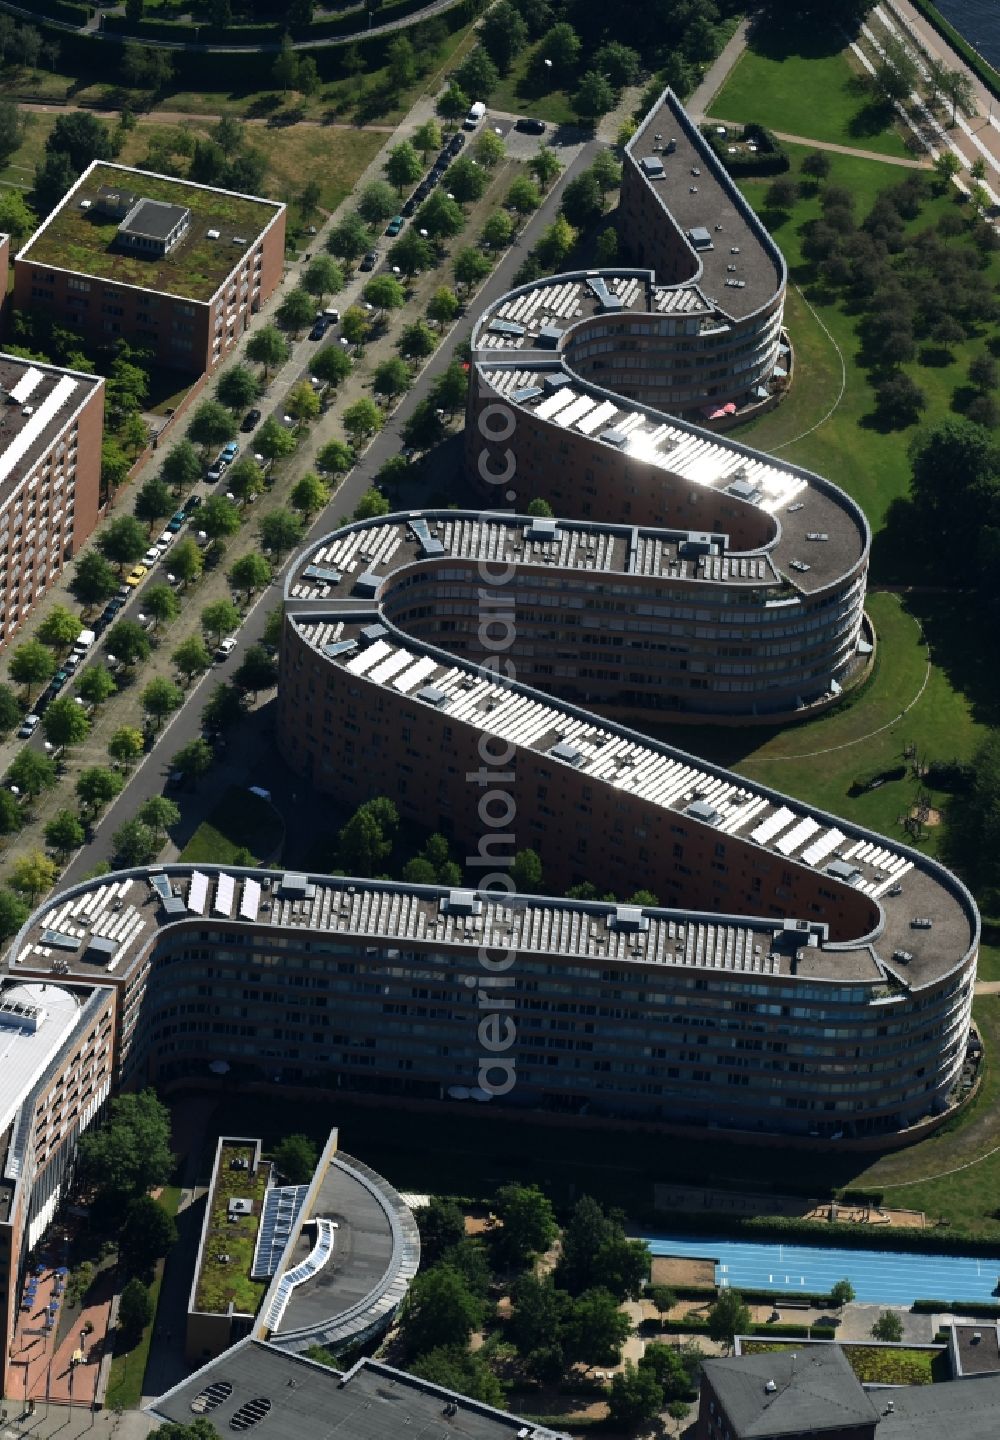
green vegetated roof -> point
(223, 1281)
(77, 238)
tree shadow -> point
(871, 119)
(962, 397)
(962, 639)
(777, 36)
(262, 106)
(935, 357)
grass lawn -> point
(522, 94)
(334, 157)
(796, 82)
(240, 821)
(222, 1281)
(869, 463)
(128, 1367)
(820, 760)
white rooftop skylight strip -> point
(553, 403)
(19, 445)
(410, 679)
(773, 825)
(821, 848)
(581, 406)
(361, 664)
(198, 893)
(250, 900)
(27, 385)
(224, 890)
(390, 666)
(797, 836)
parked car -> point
(151, 556)
(226, 648)
(528, 126)
(250, 419)
(136, 575)
(331, 315)
(395, 225)
(191, 503)
(166, 540)
(29, 725)
(229, 452)
(58, 681)
(216, 471)
(457, 142)
(370, 260)
(176, 521)
(319, 328)
(410, 206)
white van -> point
(83, 641)
(476, 113)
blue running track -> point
(881, 1276)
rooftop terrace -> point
(82, 237)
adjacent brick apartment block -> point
(50, 473)
(55, 1073)
(168, 265)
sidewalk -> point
(700, 100)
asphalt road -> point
(185, 725)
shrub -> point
(770, 157)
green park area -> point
(243, 829)
(798, 80)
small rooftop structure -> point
(153, 227)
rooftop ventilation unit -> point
(555, 382)
(770, 1387)
(921, 922)
(323, 573)
(745, 490)
(295, 886)
(239, 240)
(843, 870)
(373, 632)
(541, 528)
(461, 902)
(617, 438)
(698, 235)
(628, 918)
(431, 695)
(652, 167)
(366, 585)
(548, 337)
(695, 543)
(566, 753)
(902, 957)
(213, 234)
(700, 810)
(527, 392)
(336, 648)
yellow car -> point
(134, 576)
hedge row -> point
(962, 1307)
(962, 48)
(782, 1332)
(348, 22)
(843, 1234)
(770, 159)
(62, 10)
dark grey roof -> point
(790, 1393)
(310, 1402)
(954, 1410)
(155, 219)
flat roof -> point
(361, 1278)
(309, 1401)
(80, 238)
(977, 1348)
(803, 504)
(708, 200)
(154, 219)
(37, 401)
(35, 1020)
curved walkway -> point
(268, 47)
(786, 444)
